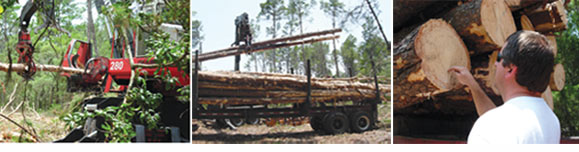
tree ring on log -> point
(498, 22)
(439, 47)
(557, 78)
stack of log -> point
(434, 35)
(249, 88)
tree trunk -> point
(17, 67)
(421, 62)
(550, 18)
(557, 78)
(90, 29)
(484, 25)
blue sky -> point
(217, 18)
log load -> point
(557, 78)
(421, 62)
(484, 25)
(549, 18)
(243, 88)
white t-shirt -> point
(521, 120)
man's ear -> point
(512, 70)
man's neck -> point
(519, 93)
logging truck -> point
(333, 105)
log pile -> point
(247, 88)
(435, 35)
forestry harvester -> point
(99, 73)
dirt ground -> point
(280, 134)
(48, 127)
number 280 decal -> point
(116, 65)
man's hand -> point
(463, 75)
(481, 101)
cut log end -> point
(422, 61)
(557, 78)
(548, 97)
(440, 47)
(497, 20)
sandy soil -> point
(48, 127)
(256, 134)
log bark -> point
(406, 9)
(526, 23)
(17, 67)
(421, 62)
(557, 78)
(550, 18)
(516, 5)
(484, 25)
(411, 12)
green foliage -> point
(335, 9)
(373, 49)
(566, 101)
(350, 56)
(196, 29)
(141, 104)
(317, 53)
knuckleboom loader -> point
(101, 74)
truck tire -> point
(252, 121)
(360, 121)
(336, 123)
(316, 123)
(237, 122)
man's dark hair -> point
(532, 54)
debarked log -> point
(17, 67)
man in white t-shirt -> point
(523, 70)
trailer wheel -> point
(252, 121)
(237, 122)
(316, 123)
(360, 121)
(336, 123)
